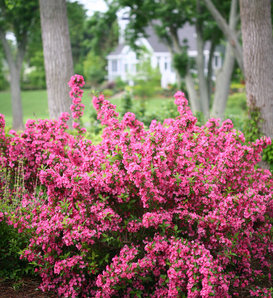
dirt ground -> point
(25, 288)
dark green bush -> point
(11, 244)
(252, 131)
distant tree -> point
(3, 80)
(101, 32)
(257, 38)
(34, 60)
(100, 38)
(77, 18)
(94, 69)
(57, 55)
(17, 17)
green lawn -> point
(35, 106)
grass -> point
(35, 106)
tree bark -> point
(222, 85)
(229, 34)
(15, 66)
(258, 58)
(203, 88)
(193, 97)
(57, 55)
(224, 75)
(210, 70)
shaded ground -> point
(25, 288)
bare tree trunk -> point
(15, 66)
(16, 102)
(224, 75)
(210, 70)
(203, 88)
(193, 97)
(222, 84)
(57, 55)
(258, 58)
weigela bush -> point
(176, 210)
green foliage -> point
(252, 132)
(252, 125)
(11, 245)
(76, 15)
(35, 79)
(180, 62)
(19, 17)
(101, 32)
(127, 103)
(237, 87)
(237, 101)
(108, 92)
(168, 110)
(94, 69)
(147, 81)
(119, 84)
(3, 80)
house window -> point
(166, 65)
(126, 67)
(114, 65)
(216, 61)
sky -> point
(93, 5)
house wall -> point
(124, 65)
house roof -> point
(154, 41)
(186, 33)
(118, 49)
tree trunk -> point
(224, 75)
(57, 55)
(222, 85)
(193, 98)
(203, 88)
(210, 70)
(258, 58)
(15, 65)
(16, 101)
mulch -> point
(25, 288)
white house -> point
(122, 62)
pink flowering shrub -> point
(170, 211)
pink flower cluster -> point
(169, 211)
(77, 107)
